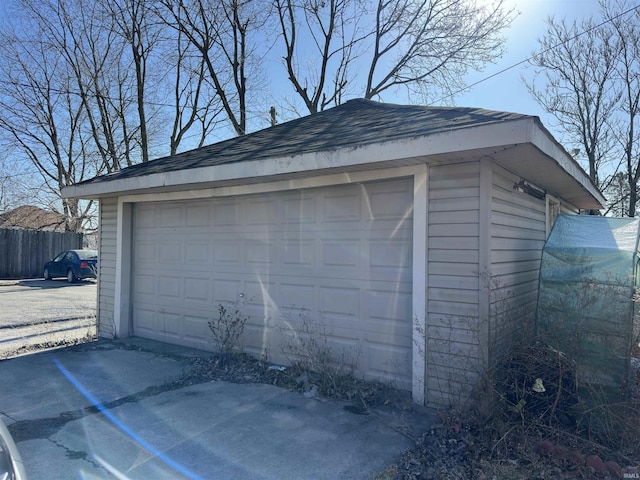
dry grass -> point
(511, 431)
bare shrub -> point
(528, 416)
(463, 349)
(227, 328)
(536, 383)
(322, 366)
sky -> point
(507, 91)
(504, 91)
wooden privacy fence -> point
(23, 253)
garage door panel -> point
(145, 285)
(262, 211)
(343, 302)
(342, 252)
(227, 251)
(388, 363)
(146, 251)
(196, 289)
(345, 348)
(389, 306)
(197, 215)
(145, 216)
(170, 324)
(341, 207)
(298, 253)
(170, 252)
(389, 252)
(298, 294)
(196, 328)
(261, 252)
(197, 252)
(338, 256)
(170, 217)
(227, 214)
(226, 290)
(300, 211)
(169, 288)
(145, 321)
(390, 205)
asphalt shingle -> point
(352, 124)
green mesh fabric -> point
(588, 277)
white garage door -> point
(343, 254)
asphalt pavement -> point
(37, 313)
(36, 301)
(115, 409)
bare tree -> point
(618, 196)
(627, 36)
(18, 184)
(92, 86)
(427, 46)
(70, 97)
(79, 98)
(221, 31)
(424, 46)
(577, 65)
(95, 53)
(590, 76)
(332, 30)
(43, 120)
(193, 101)
(131, 20)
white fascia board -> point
(546, 143)
(483, 136)
(276, 186)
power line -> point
(553, 47)
(60, 91)
(448, 96)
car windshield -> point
(87, 254)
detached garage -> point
(381, 222)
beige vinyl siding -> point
(107, 266)
(556, 206)
(568, 208)
(518, 233)
(452, 305)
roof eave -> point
(527, 130)
(547, 143)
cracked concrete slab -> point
(114, 412)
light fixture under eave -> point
(519, 187)
(524, 187)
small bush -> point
(227, 328)
(310, 352)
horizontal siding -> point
(106, 266)
(518, 233)
(452, 297)
(568, 209)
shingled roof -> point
(29, 217)
(354, 123)
(361, 135)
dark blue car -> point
(73, 264)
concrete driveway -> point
(110, 410)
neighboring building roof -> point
(29, 217)
(362, 134)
